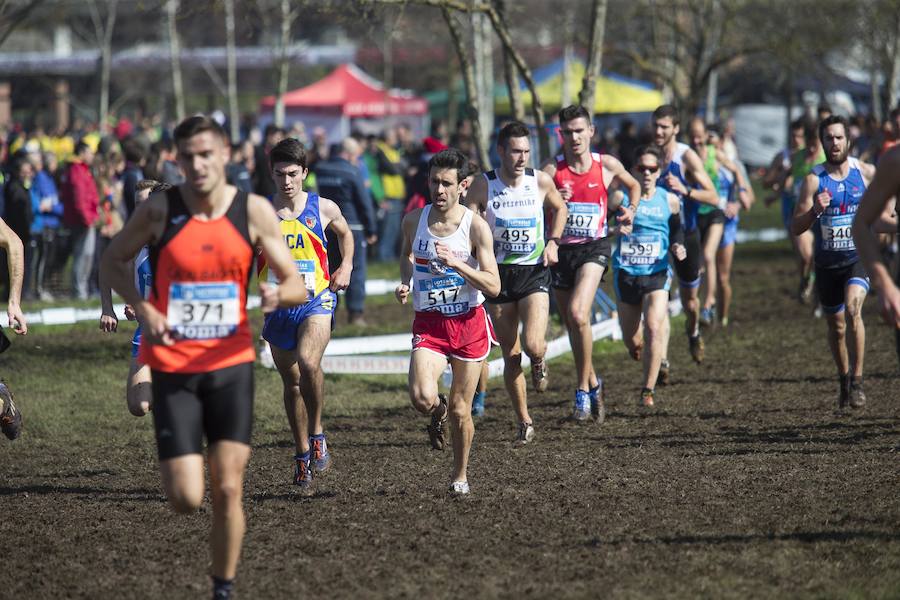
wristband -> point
(552, 239)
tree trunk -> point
(484, 89)
(175, 57)
(894, 79)
(470, 84)
(103, 31)
(587, 96)
(233, 118)
(287, 20)
(537, 107)
(387, 72)
(510, 74)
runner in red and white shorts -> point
(438, 267)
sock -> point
(646, 390)
(845, 381)
(480, 396)
(304, 457)
(222, 588)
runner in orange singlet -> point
(196, 336)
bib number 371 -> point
(202, 311)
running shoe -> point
(459, 488)
(303, 475)
(696, 345)
(540, 376)
(598, 404)
(646, 398)
(10, 418)
(524, 434)
(436, 427)
(708, 316)
(663, 377)
(582, 405)
(478, 404)
(321, 457)
(857, 395)
(724, 322)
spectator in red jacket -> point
(80, 200)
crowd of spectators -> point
(67, 194)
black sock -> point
(222, 588)
(845, 380)
(646, 390)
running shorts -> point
(832, 285)
(281, 325)
(729, 234)
(187, 406)
(518, 281)
(631, 289)
(714, 217)
(573, 256)
(466, 337)
(688, 270)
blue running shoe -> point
(303, 475)
(708, 316)
(478, 404)
(598, 406)
(582, 405)
(321, 458)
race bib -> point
(638, 250)
(203, 311)
(443, 294)
(583, 220)
(836, 234)
(307, 270)
(515, 236)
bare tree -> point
(103, 30)
(232, 70)
(288, 16)
(595, 55)
(14, 16)
(175, 58)
(469, 81)
(510, 73)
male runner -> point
(684, 175)
(196, 335)
(138, 395)
(439, 268)
(802, 163)
(641, 273)
(829, 199)
(10, 416)
(880, 201)
(513, 200)
(582, 178)
(303, 219)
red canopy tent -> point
(348, 99)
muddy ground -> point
(744, 481)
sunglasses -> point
(642, 169)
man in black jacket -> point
(339, 179)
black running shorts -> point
(631, 289)
(518, 281)
(186, 406)
(832, 285)
(573, 256)
(688, 270)
(711, 218)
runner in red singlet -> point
(582, 178)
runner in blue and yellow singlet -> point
(304, 217)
